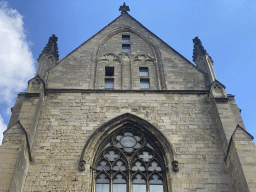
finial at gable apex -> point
(124, 8)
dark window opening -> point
(126, 48)
(109, 71)
(143, 71)
(129, 153)
(109, 83)
(125, 38)
(144, 83)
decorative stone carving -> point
(124, 9)
(143, 57)
(110, 57)
(81, 165)
(218, 90)
(51, 47)
(35, 85)
(199, 49)
(175, 166)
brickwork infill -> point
(68, 119)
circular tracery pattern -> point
(128, 141)
(128, 153)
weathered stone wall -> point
(78, 70)
(9, 152)
(197, 122)
(68, 119)
(241, 161)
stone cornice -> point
(126, 91)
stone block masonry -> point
(68, 120)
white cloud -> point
(2, 128)
(16, 62)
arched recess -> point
(90, 153)
(146, 38)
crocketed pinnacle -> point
(198, 49)
(51, 47)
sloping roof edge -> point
(140, 25)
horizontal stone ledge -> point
(125, 91)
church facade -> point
(125, 112)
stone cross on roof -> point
(124, 9)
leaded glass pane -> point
(119, 188)
(111, 155)
(139, 188)
(128, 134)
(143, 71)
(144, 83)
(125, 38)
(119, 166)
(155, 180)
(138, 179)
(128, 141)
(137, 146)
(109, 83)
(119, 145)
(137, 138)
(126, 48)
(128, 149)
(102, 178)
(154, 167)
(119, 137)
(138, 166)
(119, 178)
(156, 188)
(102, 187)
(103, 165)
(125, 148)
(107, 145)
(146, 156)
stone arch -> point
(90, 149)
(109, 127)
(146, 38)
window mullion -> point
(93, 181)
(147, 186)
(129, 180)
(111, 184)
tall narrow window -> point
(144, 84)
(127, 160)
(109, 71)
(126, 48)
(109, 83)
(125, 38)
(143, 71)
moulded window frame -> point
(140, 71)
(145, 79)
(126, 50)
(129, 180)
(105, 83)
(106, 72)
(126, 40)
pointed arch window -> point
(129, 161)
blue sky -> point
(226, 28)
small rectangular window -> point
(125, 38)
(144, 83)
(109, 83)
(143, 71)
(109, 71)
(126, 48)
